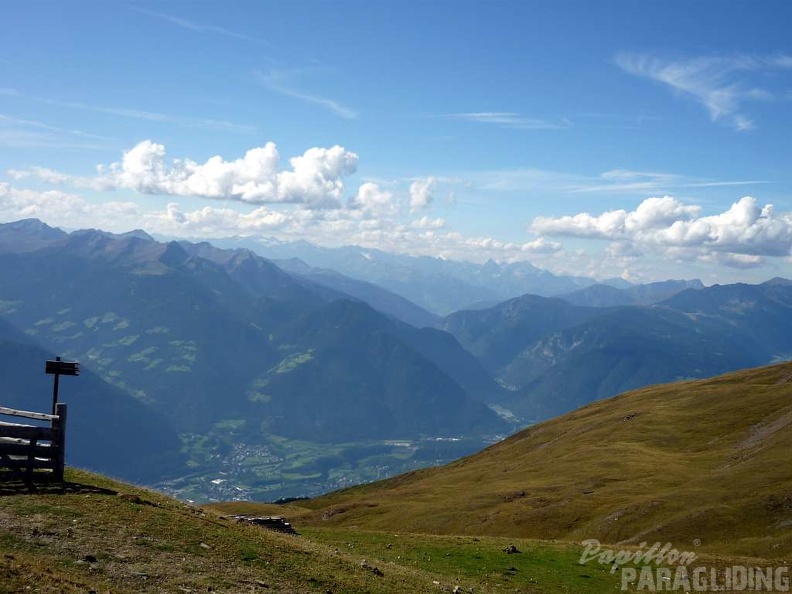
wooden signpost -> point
(59, 368)
(25, 448)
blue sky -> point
(639, 139)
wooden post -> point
(55, 389)
(31, 459)
(59, 427)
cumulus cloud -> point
(746, 230)
(218, 222)
(70, 209)
(370, 197)
(316, 178)
(742, 261)
(541, 246)
(428, 223)
(421, 193)
(652, 213)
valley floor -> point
(278, 467)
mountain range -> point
(604, 295)
(272, 380)
(203, 337)
(556, 356)
(438, 285)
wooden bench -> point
(26, 449)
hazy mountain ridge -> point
(378, 297)
(559, 356)
(604, 295)
(497, 334)
(438, 285)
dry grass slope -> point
(700, 461)
(101, 536)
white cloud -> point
(68, 209)
(427, 223)
(652, 213)
(216, 222)
(720, 83)
(315, 177)
(421, 193)
(742, 261)
(370, 197)
(43, 173)
(746, 231)
(541, 246)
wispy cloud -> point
(278, 82)
(513, 120)
(41, 126)
(21, 133)
(138, 114)
(615, 181)
(626, 180)
(30, 139)
(721, 83)
(196, 27)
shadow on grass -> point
(11, 485)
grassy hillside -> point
(692, 462)
(96, 535)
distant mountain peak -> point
(779, 281)
(34, 225)
(88, 238)
(137, 233)
(29, 233)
